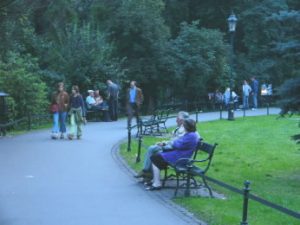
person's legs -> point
(55, 128)
(147, 161)
(111, 108)
(158, 164)
(246, 102)
(79, 130)
(115, 110)
(156, 176)
(72, 127)
(254, 100)
(62, 123)
(130, 112)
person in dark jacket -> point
(182, 147)
(77, 113)
(113, 95)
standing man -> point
(113, 94)
(254, 92)
(134, 101)
(246, 92)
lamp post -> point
(232, 20)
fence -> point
(245, 192)
(28, 122)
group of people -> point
(61, 105)
(95, 102)
(158, 156)
(248, 90)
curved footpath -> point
(62, 182)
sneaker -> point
(140, 174)
(70, 136)
(62, 136)
(78, 137)
(54, 136)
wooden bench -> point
(97, 115)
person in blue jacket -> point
(182, 147)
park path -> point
(62, 182)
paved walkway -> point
(61, 182)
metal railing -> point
(27, 122)
(245, 192)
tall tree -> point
(139, 32)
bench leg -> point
(177, 184)
(206, 185)
(187, 192)
(165, 178)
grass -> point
(258, 149)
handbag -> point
(54, 108)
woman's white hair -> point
(183, 115)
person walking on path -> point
(254, 93)
(246, 92)
(113, 94)
(61, 99)
(77, 113)
(134, 101)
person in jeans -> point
(246, 92)
(182, 147)
(134, 101)
(77, 113)
(146, 172)
(61, 98)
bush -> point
(20, 78)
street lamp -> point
(232, 20)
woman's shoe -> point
(70, 136)
(140, 174)
(152, 188)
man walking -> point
(113, 94)
(134, 101)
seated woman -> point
(100, 103)
(182, 147)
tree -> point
(20, 77)
(290, 99)
(198, 61)
(139, 33)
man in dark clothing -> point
(113, 93)
(254, 93)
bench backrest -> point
(209, 149)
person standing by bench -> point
(113, 94)
(134, 102)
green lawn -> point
(258, 149)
